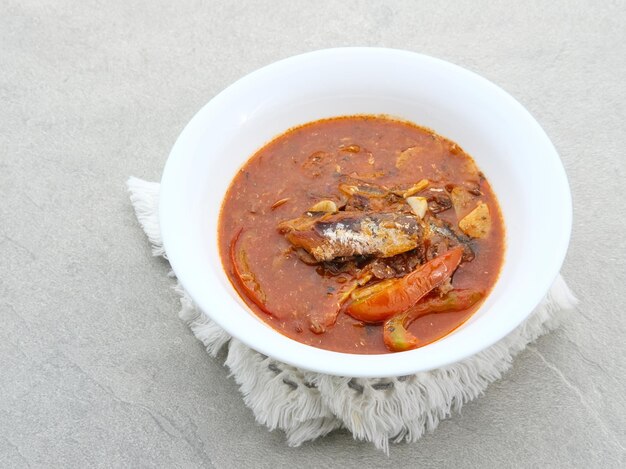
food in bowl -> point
(362, 234)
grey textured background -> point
(95, 367)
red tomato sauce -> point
(303, 166)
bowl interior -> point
(506, 142)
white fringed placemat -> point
(307, 405)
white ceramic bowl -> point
(508, 145)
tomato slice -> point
(255, 295)
(376, 304)
(395, 334)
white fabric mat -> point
(308, 405)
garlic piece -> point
(461, 201)
(419, 205)
(327, 206)
(477, 223)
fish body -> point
(348, 234)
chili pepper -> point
(252, 294)
(395, 334)
(381, 301)
(396, 337)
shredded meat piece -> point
(358, 203)
(305, 257)
(397, 266)
(352, 266)
(441, 236)
(439, 203)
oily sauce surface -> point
(303, 166)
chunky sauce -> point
(304, 166)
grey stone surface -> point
(96, 370)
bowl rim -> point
(329, 362)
